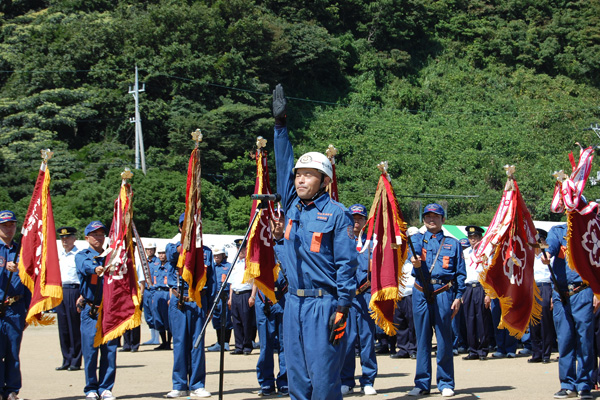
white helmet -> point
(150, 245)
(219, 250)
(317, 161)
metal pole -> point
(139, 140)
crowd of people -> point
(320, 323)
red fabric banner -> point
(507, 252)
(120, 307)
(260, 256)
(39, 269)
(387, 239)
(332, 188)
(191, 262)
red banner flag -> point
(260, 258)
(583, 226)
(39, 269)
(387, 239)
(332, 188)
(191, 262)
(120, 307)
(507, 254)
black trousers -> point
(131, 339)
(69, 333)
(477, 319)
(543, 334)
(244, 321)
(406, 339)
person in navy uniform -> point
(14, 309)
(154, 263)
(160, 300)
(187, 319)
(476, 304)
(69, 321)
(241, 303)
(90, 268)
(361, 327)
(221, 269)
(439, 264)
(573, 320)
(321, 263)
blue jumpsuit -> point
(361, 330)
(189, 363)
(220, 274)
(449, 267)
(160, 298)
(12, 323)
(153, 264)
(574, 322)
(320, 254)
(91, 290)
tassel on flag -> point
(39, 269)
(191, 262)
(507, 254)
(583, 227)
(387, 238)
(332, 188)
(260, 258)
(120, 307)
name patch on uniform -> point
(323, 216)
(448, 246)
(2, 262)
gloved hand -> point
(337, 324)
(279, 105)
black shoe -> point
(482, 358)
(163, 346)
(565, 394)
(471, 357)
(62, 368)
(236, 352)
(74, 368)
(413, 356)
(247, 352)
(399, 355)
(124, 349)
(534, 360)
(383, 350)
(266, 392)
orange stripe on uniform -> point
(94, 279)
(561, 254)
(423, 253)
(288, 229)
(315, 244)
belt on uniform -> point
(310, 292)
(541, 284)
(242, 291)
(70, 285)
(161, 289)
(473, 284)
(447, 286)
(574, 288)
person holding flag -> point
(321, 256)
(13, 309)
(439, 270)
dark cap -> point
(181, 218)
(238, 242)
(542, 233)
(66, 231)
(434, 208)
(358, 209)
(474, 230)
(464, 242)
(7, 216)
(94, 226)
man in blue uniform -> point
(90, 268)
(573, 320)
(69, 321)
(187, 319)
(160, 301)
(320, 257)
(361, 327)
(154, 263)
(14, 309)
(221, 269)
(439, 270)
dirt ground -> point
(147, 374)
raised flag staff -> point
(388, 239)
(332, 188)
(39, 269)
(507, 254)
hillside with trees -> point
(446, 91)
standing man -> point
(361, 327)
(90, 270)
(439, 270)
(68, 318)
(241, 303)
(187, 319)
(321, 262)
(543, 334)
(154, 263)
(14, 309)
(160, 299)
(573, 320)
(221, 270)
(476, 303)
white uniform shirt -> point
(68, 271)
(409, 282)
(541, 274)
(237, 276)
(473, 269)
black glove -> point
(337, 324)
(279, 105)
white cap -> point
(317, 161)
(219, 250)
(161, 248)
(150, 244)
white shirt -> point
(68, 271)
(237, 276)
(409, 280)
(541, 274)
(473, 268)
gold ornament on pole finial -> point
(46, 155)
(126, 174)
(510, 170)
(560, 176)
(383, 166)
(261, 142)
(197, 136)
(331, 151)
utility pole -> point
(139, 139)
